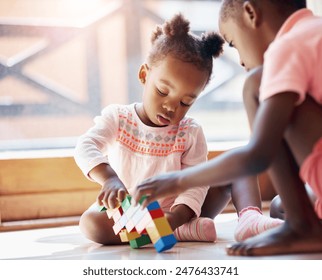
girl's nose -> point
(169, 106)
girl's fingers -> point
(121, 195)
(99, 199)
(112, 202)
(105, 200)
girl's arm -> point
(113, 190)
(91, 156)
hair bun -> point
(213, 44)
(178, 26)
(156, 33)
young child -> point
(130, 143)
(285, 115)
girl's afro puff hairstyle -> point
(174, 38)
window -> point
(62, 61)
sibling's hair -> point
(231, 8)
(174, 38)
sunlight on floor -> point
(39, 242)
(68, 242)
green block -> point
(143, 197)
(126, 203)
(140, 241)
(102, 208)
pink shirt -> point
(136, 151)
(293, 61)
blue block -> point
(153, 205)
(165, 243)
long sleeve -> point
(91, 147)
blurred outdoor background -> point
(62, 61)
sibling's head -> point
(234, 8)
(178, 68)
(251, 25)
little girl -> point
(130, 143)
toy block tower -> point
(141, 226)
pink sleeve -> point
(91, 147)
(286, 69)
(197, 153)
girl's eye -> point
(184, 104)
(161, 93)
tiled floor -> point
(67, 243)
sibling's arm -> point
(269, 126)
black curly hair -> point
(230, 8)
(174, 38)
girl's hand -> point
(159, 186)
(112, 193)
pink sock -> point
(198, 229)
(251, 222)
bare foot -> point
(280, 240)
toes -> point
(234, 249)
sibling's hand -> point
(158, 186)
(113, 192)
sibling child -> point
(285, 115)
(130, 143)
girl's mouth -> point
(162, 120)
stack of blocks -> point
(139, 226)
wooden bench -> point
(40, 189)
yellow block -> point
(158, 228)
(127, 236)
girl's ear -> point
(251, 14)
(143, 73)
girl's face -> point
(246, 40)
(171, 87)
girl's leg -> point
(215, 202)
(187, 228)
(203, 228)
(245, 195)
(302, 231)
(97, 227)
(247, 200)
